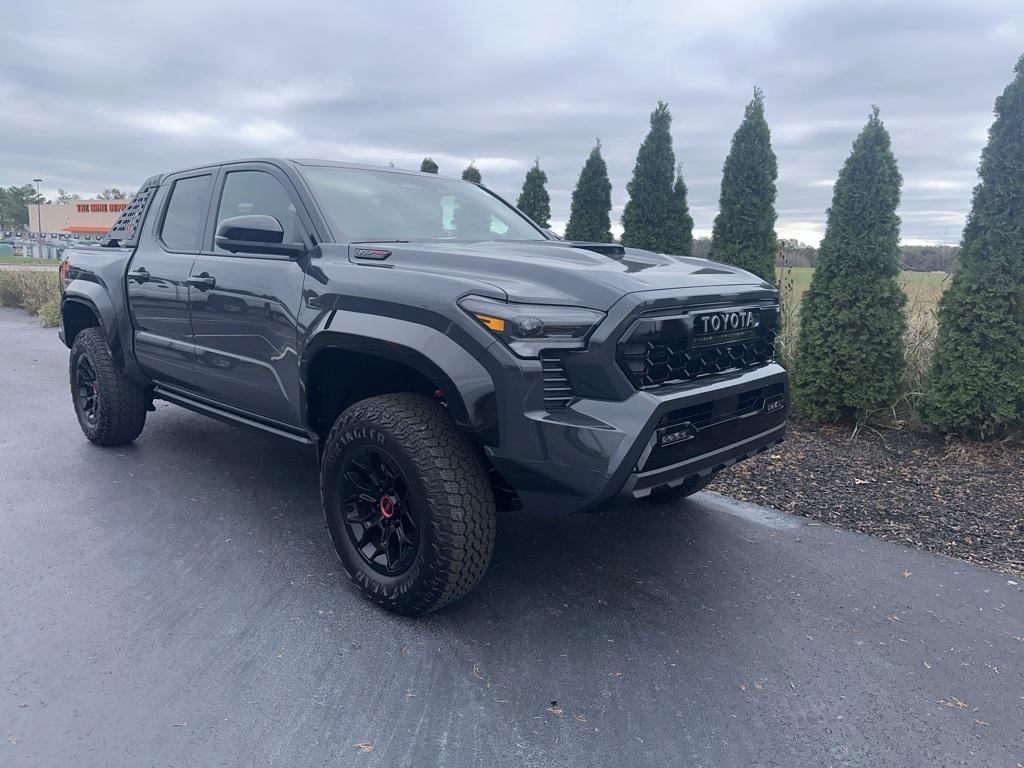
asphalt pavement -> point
(177, 603)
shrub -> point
(534, 200)
(428, 165)
(648, 218)
(850, 357)
(590, 213)
(34, 291)
(49, 312)
(681, 219)
(976, 383)
(744, 231)
(472, 173)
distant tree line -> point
(929, 258)
(913, 258)
(14, 203)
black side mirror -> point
(255, 233)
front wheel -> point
(111, 408)
(408, 503)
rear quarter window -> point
(185, 218)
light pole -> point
(39, 217)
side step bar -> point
(231, 417)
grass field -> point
(923, 288)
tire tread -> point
(122, 413)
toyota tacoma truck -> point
(444, 355)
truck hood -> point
(593, 275)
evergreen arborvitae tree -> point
(681, 217)
(472, 173)
(648, 220)
(590, 212)
(534, 200)
(428, 165)
(474, 224)
(850, 349)
(976, 383)
(744, 232)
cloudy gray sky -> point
(98, 94)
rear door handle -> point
(140, 275)
(202, 281)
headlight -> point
(526, 329)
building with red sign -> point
(80, 219)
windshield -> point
(367, 205)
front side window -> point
(186, 213)
(366, 205)
(258, 192)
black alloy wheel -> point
(87, 391)
(379, 512)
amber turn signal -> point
(493, 323)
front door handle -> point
(140, 275)
(202, 281)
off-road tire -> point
(120, 410)
(448, 484)
(689, 487)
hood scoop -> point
(605, 249)
(712, 271)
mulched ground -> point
(957, 498)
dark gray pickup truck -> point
(444, 355)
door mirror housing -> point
(255, 233)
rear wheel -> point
(408, 503)
(111, 408)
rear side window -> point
(186, 213)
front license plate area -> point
(729, 326)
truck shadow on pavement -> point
(569, 605)
(659, 563)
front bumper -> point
(581, 457)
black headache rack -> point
(660, 349)
(125, 232)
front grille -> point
(557, 389)
(658, 351)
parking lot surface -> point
(177, 603)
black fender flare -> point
(95, 298)
(467, 386)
